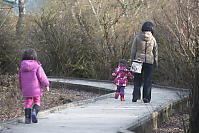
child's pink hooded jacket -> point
(31, 78)
(121, 74)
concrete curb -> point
(149, 122)
(122, 130)
(94, 80)
(109, 81)
(97, 90)
(172, 88)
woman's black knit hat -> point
(148, 26)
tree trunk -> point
(194, 120)
(20, 22)
(95, 13)
(194, 124)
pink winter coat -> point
(121, 74)
(31, 78)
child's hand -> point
(47, 88)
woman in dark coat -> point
(145, 49)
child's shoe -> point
(34, 116)
(27, 116)
(35, 111)
(117, 93)
(122, 98)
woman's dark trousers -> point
(147, 70)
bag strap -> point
(145, 49)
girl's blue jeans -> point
(120, 89)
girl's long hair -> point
(30, 54)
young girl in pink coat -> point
(122, 74)
(32, 79)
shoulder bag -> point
(136, 66)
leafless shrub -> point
(180, 50)
(7, 49)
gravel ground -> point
(14, 107)
(177, 123)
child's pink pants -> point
(28, 101)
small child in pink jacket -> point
(122, 74)
(32, 79)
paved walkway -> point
(107, 115)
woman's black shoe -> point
(134, 100)
(146, 100)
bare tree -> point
(20, 22)
(182, 23)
